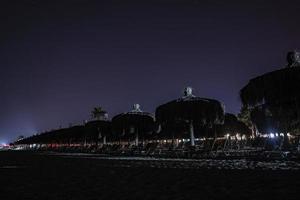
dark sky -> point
(59, 59)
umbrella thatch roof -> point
(64, 135)
(175, 115)
(127, 124)
(201, 110)
(97, 129)
(273, 87)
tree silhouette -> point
(98, 113)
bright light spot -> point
(272, 135)
(3, 143)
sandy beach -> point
(28, 175)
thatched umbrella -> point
(135, 122)
(277, 94)
(194, 111)
(25, 140)
(59, 136)
(34, 139)
(73, 134)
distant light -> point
(272, 135)
(3, 145)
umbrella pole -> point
(104, 140)
(285, 142)
(85, 142)
(192, 133)
(173, 139)
(137, 138)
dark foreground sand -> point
(26, 175)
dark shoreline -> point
(30, 175)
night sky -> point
(59, 59)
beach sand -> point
(28, 175)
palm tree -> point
(98, 114)
(245, 117)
